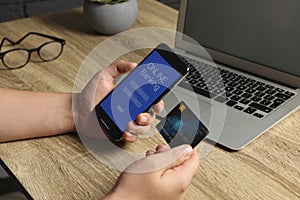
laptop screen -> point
(266, 32)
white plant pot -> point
(110, 19)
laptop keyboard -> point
(240, 92)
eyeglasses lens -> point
(50, 51)
(15, 59)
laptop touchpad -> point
(178, 94)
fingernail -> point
(129, 135)
(187, 151)
(184, 150)
(143, 119)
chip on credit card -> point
(182, 126)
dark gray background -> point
(15, 9)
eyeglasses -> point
(19, 57)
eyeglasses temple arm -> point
(30, 33)
(48, 36)
(6, 39)
(22, 38)
(39, 34)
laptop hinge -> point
(180, 51)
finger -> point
(149, 153)
(159, 107)
(128, 137)
(162, 148)
(161, 162)
(136, 129)
(119, 68)
(143, 119)
(159, 148)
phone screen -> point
(140, 89)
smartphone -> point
(161, 70)
(182, 126)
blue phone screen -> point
(139, 90)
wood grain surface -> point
(60, 167)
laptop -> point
(253, 82)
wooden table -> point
(60, 167)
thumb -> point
(180, 154)
(184, 172)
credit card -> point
(182, 126)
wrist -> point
(117, 194)
(70, 118)
(66, 118)
(113, 195)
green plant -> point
(108, 1)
